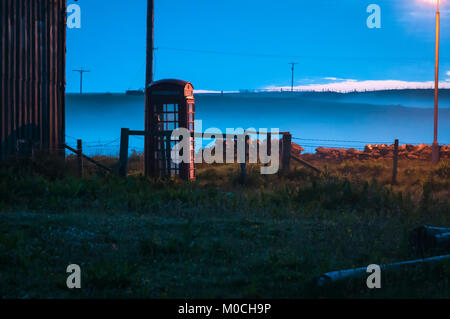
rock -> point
(324, 150)
(410, 147)
(368, 148)
(413, 156)
(421, 147)
(296, 149)
(406, 151)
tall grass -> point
(141, 237)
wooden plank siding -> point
(32, 68)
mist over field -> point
(313, 118)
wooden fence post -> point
(123, 159)
(235, 148)
(286, 154)
(88, 158)
(224, 148)
(246, 139)
(247, 147)
(269, 146)
(80, 158)
(394, 170)
(169, 153)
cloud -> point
(331, 78)
(448, 73)
(361, 86)
(212, 92)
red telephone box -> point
(170, 105)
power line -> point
(281, 56)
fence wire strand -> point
(112, 148)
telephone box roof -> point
(176, 82)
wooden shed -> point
(32, 68)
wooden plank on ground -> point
(305, 163)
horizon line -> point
(275, 90)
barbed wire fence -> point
(112, 147)
(310, 144)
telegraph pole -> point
(150, 44)
(81, 71)
(148, 81)
(293, 69)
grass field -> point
(140, 238)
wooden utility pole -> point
(150, 44)
(148, 81)
(293, 64)
(81, 71)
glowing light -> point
(431, 1)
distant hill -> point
(418, 98)
(408, 93)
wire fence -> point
(112, 147)
(105, 148)
(310, 145)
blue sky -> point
(247, 44)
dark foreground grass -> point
(215, 238)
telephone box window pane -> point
(165, 111)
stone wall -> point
(406, 151)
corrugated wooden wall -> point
(32, 68)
